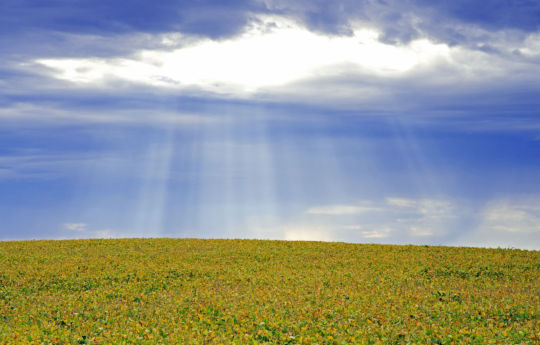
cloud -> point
(510, 222)
(512, 216)
(40, 164)
(368, 231)
(402, 220)
(59, 113)
(274, 51)
(340, 210)
(491, 14)
(105, 233)
(425, 217)
(421, 231)
(209, 18)
(36, 165)
(79, 227)
(399, 20)
(401, 202)
(83, 230)
(454, 22)
(377, 233)
(277, 60)
(280, 56)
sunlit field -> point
(187, 291)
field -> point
(174, 291)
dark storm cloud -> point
(491, 14)
(449, 21)
(209, 18)
(398, 19)
(110, 28)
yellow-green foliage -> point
(169, 291)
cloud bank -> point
(498, 223)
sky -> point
(373, 121)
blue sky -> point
(360, 121)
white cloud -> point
(399, 202)
(30, 112)
(512, 222)
(83, 230)
(105, 233)
(279, 60)
(532, 46)
(354, 227)
(398, 220)
(421, 231)
(336, 210)
(403, 219)
(273, 51)
(425, 208)
(511, 216)
(377, 233)
(425, 217)
(76, 226)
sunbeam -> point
(394, 122)
(152, 197)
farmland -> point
(168, 291)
